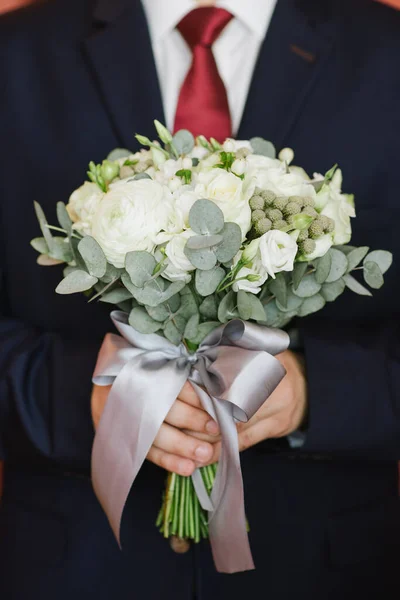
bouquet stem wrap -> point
(234, 371)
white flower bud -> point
(239, 166)
(187, 164)
(229, 146)
(174, 184)
(286, 155)
(250, 251)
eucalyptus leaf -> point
(172, 333)
(192, 327)
(331, 291)
(373, 275)
(279, 288)
(355, 257)
(153, 295)
(76, 281)
(227, 309)
(293, 302)
(159, 313)
(64, 218)
(46, 261)
(140, 320)
(112, 273)
(250, 307)
(311, 305)
(188, 306)
(338, 267)
(140, 266)
(274, 317)
(61, 250)
(43, 224)
(207, 281)
(183, 141)
(199, 242)
(40, 245)
(201, 259)
(355, 286)
(299, 271)
(208, 308)
(203, 330)
(382, 258)
(308, 287)
(206, 218)
(232, 240)
(93, 256)
(118, 153)
(174, 303)
(263, 147)
(323, 269)
(116, 296)
(346, 249)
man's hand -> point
(283, 412)
(174, 448)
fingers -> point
(185, 416)
(254, 434)
(171, 462)
(188, 395)
(174, 441)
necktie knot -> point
(202, 26)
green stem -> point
(181, 523)
(196, 519)
(187, 504)
(178, 486)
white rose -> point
(255, 268)
(339, 207)
(131, 217)
(178, 266)
(230, 193)
(278, 251)
(82, 206)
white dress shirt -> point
(236, 50)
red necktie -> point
(203, 105)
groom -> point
(82, 77)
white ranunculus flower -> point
(230, 193)
(82, 206)
(178, 266)
(253, 268)
(130, 217)
(278, 251)
(322, 246)
(339, 207)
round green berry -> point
(262, 226)
(281, 224)
(307, 246)
(257, 202)
(268, 196)
(297, 199)
(310, 211)
(280, 202)
(274, 214)
(303, 235)
(256, 215)
(308, 201)
(331, 226)
(292, 208)
(316, 230)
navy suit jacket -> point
(77, 78)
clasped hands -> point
(189, 438)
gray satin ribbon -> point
(234, 371)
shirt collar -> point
(163, 16)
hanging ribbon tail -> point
(133, 415)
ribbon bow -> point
(233, 371)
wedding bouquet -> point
(204, 247)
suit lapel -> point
(120, 56)
(290, 61)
